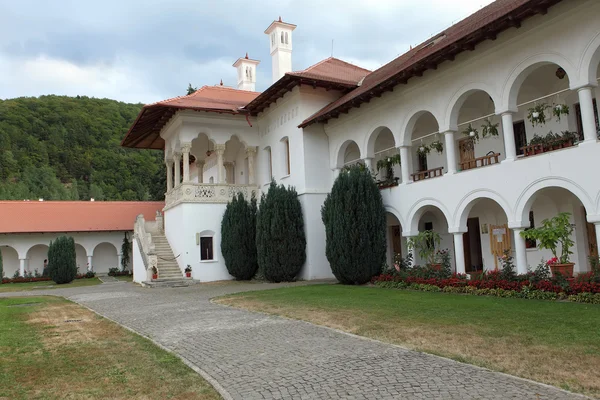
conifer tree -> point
(62, 265)
(280, 238)
(238, 237)
(354, 218)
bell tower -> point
(280, 38)
(246, 73)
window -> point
(286, 38)
(282, 38)
(206, 248)
(520, 136)
(578, 118)
(530, 243)
(429, 227)
(269, 164)
(273, 39)
(211, 180)
(422, 163)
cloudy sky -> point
(145, 51)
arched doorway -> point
(395, 243)
(10, 261)
(105, 257)
(348, 154)
(81, 258)
(427, 161)
(36, 256)
(203, 152)
(381, 147)
(430, 217)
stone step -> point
(162, 283)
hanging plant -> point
(488, 129)
(423, 150)
(560, 109)
(537, 114)
(471, 132)
(388, 162)
(438, 146)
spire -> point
(221, 82)
(246, 55)
(280, 19)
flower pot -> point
(567, 143)
(565, 270)
(472, 133)
(535, 115)
(154, 276)
(436, 267)
(188, 274)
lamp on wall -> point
(209, 152)
(560, 73)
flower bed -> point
(22, 279)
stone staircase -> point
(169, 273)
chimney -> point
(92, 199)
(280, 37)
(246, 73)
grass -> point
(44, 357)
(557, 343)
(19, 287)
(125, 278)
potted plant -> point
(154, 273)
(425, 244)
(423, 150)
(471, 132)
(553, 233)
(560, 109)
(188, 271)
(537, 114)
(488, 129)
(569, 138)
(438, 146)
(388, 165)
(538, 143)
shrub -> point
(113, 271)
(280, 238)
(125, 252)
(508, 267)
(354, 218)
(238, 237)
(62, 266)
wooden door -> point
(592, 240)
(467, 251)
(520, 136)
(466, 150)
(476, 255)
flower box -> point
(565, 270)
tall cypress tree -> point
(238, 237)
(280, 238)
(354, 218)
(62, 265)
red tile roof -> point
(464, 35)
(74, 216)
(145, 131)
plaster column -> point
(251, 153)
(450, 152)
(588, 121)
(336, 173)
(169, 163)
(410, 250)
(186, 162)
(177, 166)
(200, 168)
(369, 163)
(90, 265)
(22, 266)
(119, 259)
(220, 150)
(459, 253)
(404, 163)
(508, 133)
(597, 226)
(520, 252)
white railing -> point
(191, 192)
(142, 231)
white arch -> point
(341, 150)
(522, 70)
(408, 126)
(396, 214)
(466, 204)
(458, 99)
(239, 139)
(117, 251)
(590, 61)
(418, 209)
(369, 145)
(528, 196)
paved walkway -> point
(255, 356)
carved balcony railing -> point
(479, 162)
(428, 174)
(142, 231)
(208, 193)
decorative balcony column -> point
(509, 136)
(405, 163)
(588, 121)
(169, 164)
(177, 166)
(251, 154)
(22, 266)
(90, 266)
(459, 252)
(186, 161)
(520, 251)
(369, 163)
(450, 151)
(200, 169)
(119, 259)
(220, 150)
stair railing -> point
(145, 244)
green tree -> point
(191, 89)
(62, 265)
(125, 252)
(354, 218)
(280, 238)
(238, 237)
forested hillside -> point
(67, 148)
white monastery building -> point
(474, 95)
(98, 228)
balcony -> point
(210, 193)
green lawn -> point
(552, 342)
(18, 287)
(51, 348)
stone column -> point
(251, 153)
(369, 163)
(597, 226)
(177, 166)
(588, 121)
(90, 265)
(520, 251)
(459, 253)
(404, 163)
(169, 163)
(336, 173)
(450, 152)
(200, 168)
(508, 133)
(186, 161)
(119, 259)
(220, 150)
(22, 266)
